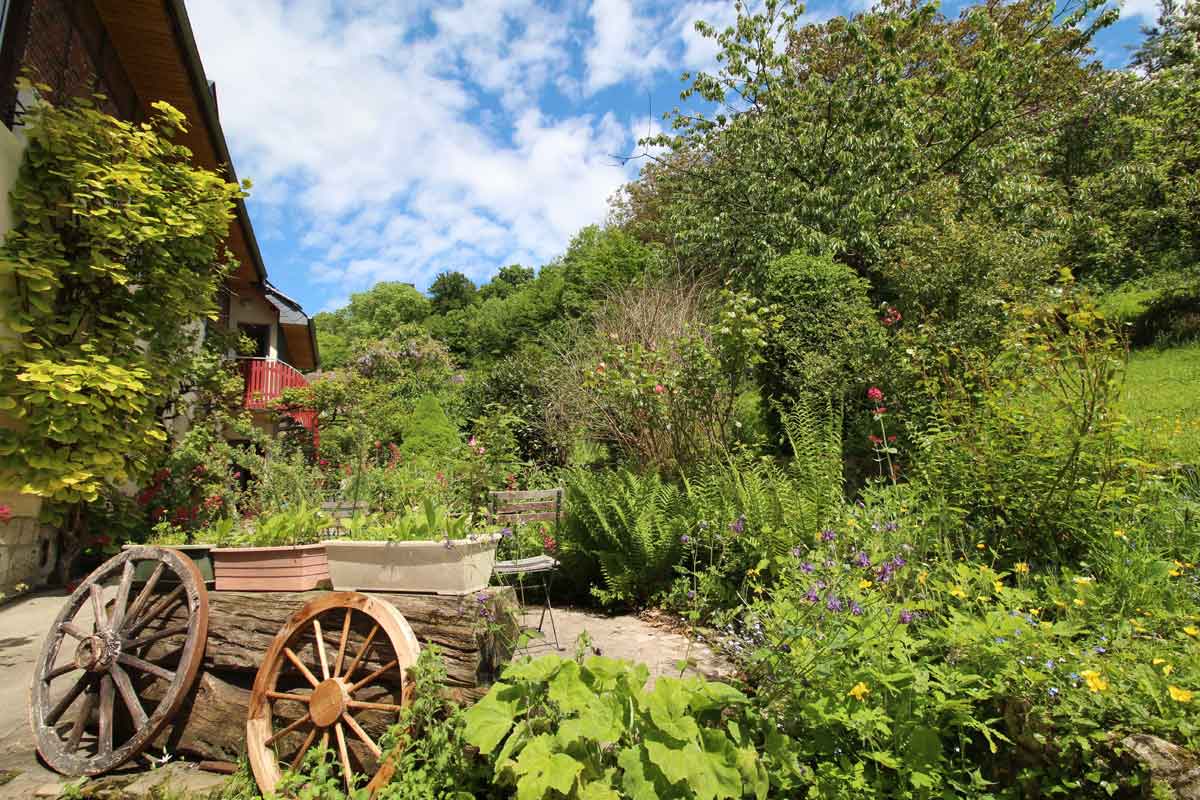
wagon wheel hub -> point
(329, 701)
(97, 652)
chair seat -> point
(528, 565)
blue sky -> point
(395, 140)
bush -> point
(554, 727)
(428, 431)
(827, 338)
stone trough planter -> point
(270, 569)
(427, 566)
(199, 553)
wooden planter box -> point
(430, 567)
(199, 553)
(270, 569)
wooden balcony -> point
(266, 379)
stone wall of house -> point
(28, 554)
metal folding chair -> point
(511, 509)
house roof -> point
(157, 48)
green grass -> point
(1162, 400)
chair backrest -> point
(338, 510)
(515, 508)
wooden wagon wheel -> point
(118, 646)
(337, 668)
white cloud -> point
(377, 138)
(624, 45)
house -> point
(136, 52)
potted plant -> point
(196, 545)
(422, 550)
(277, 552)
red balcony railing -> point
(265, 381)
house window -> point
(260, 335)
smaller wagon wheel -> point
(130, 660)
(335, 669)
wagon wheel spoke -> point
(370, 678)
(98, 613)
(296, 698)
(151, 638)
(341, 653)
(298, 664)
(107, 696)
(65, 701)
(147, 590)
(362, 651)
(361, 734)
(141, 665)
(85, 715)
(279, 734)
(348, 773)
(319, 646)
(122, 600)
(73, 630)
(61, 670)
(129, 696)
(158, 608)
(362, 704)
(308, 742)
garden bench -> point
(339, 510)
(509, 509)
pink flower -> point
(659, 388)
(875, 439)
(5, 513)
(471, 442)
(874, 394)
(879, 412)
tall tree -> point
(451, 290)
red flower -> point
(880, 411)
(875, 439)
(378, 444)
(892, 438)
(874, 394)
(549, 543)
(659, 388)
(5, 513)
(101, 541)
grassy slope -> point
(1162, 399)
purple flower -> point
(828, 535)
(806, 567)
(738, 525)
(506, 533)
(862, 560)
(482, 597)
(684, 539)
(833, 603)
(796, 552)
(898, 562)
(691, 595)
(893, 525)
(906, 616)
(856, 609)
(1052, 691)
(812, 596)
(1100, 651)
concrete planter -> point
(199, 553)
(270, 569)
(465, 566)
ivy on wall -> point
(114, 262)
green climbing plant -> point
(112, 266)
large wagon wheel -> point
(337, 668)
(119, 645)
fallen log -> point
(474, 635)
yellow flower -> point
(852, 522)
(1174, 573)
(921, 576)
(1120, 534)
(1191, 630)
(1082, 581)
(1095, 682)
(1179, 695)
(1079, 602)
(1021, 568)
(958, 592)
(864, 584)
(1167, 669)
(860, 691)
(1158, 661)
(998, 586)
(981, 546)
